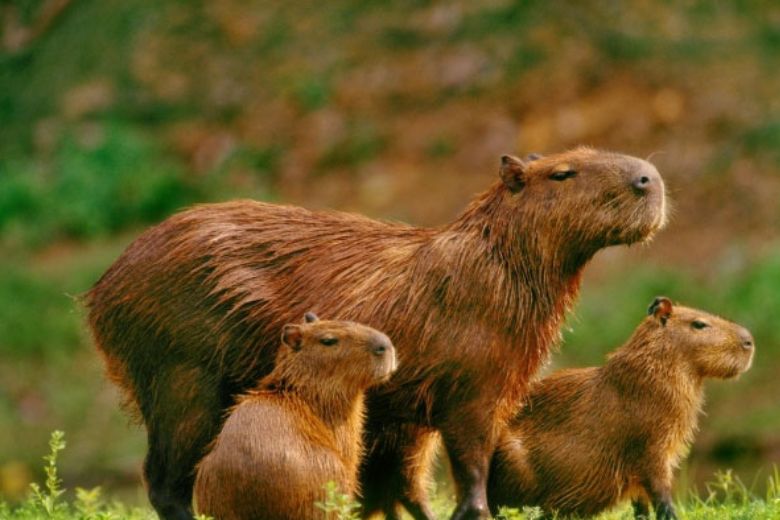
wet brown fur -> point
(301, 428)
(473, 308)
(587, 439)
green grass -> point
(91, 186)
(726, 498)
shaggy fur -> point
(587, 439)
(301, 428)
(186, 318)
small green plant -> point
(527, 513)
(48, 500)
(728, 488)
(773, 487)
(337, 505)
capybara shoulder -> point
(299, 429)
(587, 439)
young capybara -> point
(301, 428)
(589, 438)
(186, 318)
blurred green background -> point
(114, 114)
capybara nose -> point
(645, 178)
(380, 345)
(641, 182)
(747, 340)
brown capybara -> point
(299, 429)
(589, 438)
(188, 315)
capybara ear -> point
(533, 156)
(512, 172)
(310, 317)
(661, 309)
(292, 336)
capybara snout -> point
(747, 339)
(383, 350)
(644, 177)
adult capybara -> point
(589, 438)
(187, 317)
(301, 428)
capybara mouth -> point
(650, 219)
(739, 367)
(746, 364)
(386, 368)
(661, 217)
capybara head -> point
(318, 350)
(711, 346)
(589, 198)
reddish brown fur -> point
(587, 439)
(299, 430)
(473, 307)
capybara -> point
(187, 317)
(588, 438)
(299, 429)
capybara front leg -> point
(641, 511)
(470, 462)
(664, 510)
(659, 487)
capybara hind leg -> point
(170, 495)
(396, 472)
(169, 470)
(178, 437)
(381, 473)
(418, 510)
(419, 456)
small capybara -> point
(187, 317)
(301, 428)
(588, 438)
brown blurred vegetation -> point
(115, 113)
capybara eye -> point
(698, 324)
(562, 176)
(329, 341)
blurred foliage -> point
(88, 190)
(114, 114)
